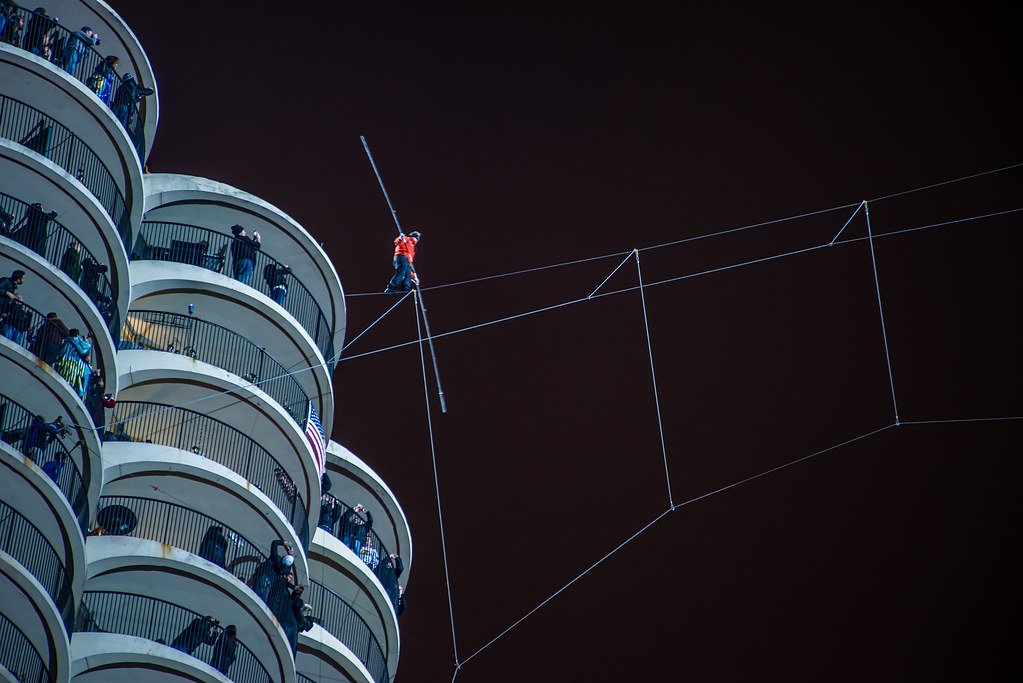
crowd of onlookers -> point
(67, 350)
(34, 230)
(40, 33)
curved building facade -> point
(167, 345)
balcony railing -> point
(19, 657)
(344, 623)
(50, 342)
(55, 458)
(219, 346)
(183, 528)
(301, 678)
(47, 39)
(339, 519)
(181, 243)
(43, 234)
(26, 125)
(23, 541)
(188, 430)
(169, 624)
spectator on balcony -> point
(292, 616)
(214, 546)
(48, 337)
(243, 253)
(127, 97)
(225, 649)
(395, 564)
(330, 512)
(102, 79)
(268, 571)
(39, 435)
(14, 30)
(6, 11)
(17, 322)
(91, 274)
(402, 603)
(201, 631)
(369, 554)
(53, 466)
(286, 483)
(276, 277)
(40, 27)
(71, 262)
(73, 365)
(354, 528)
(95, 399)
(404, 271)
(75, 47)
(34, 230)
(9, 300)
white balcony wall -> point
(117, 658)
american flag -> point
(314, 432)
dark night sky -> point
(520, 137)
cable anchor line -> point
(880, 310)
(433, 354)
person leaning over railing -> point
(225, 649)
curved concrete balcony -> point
(30, 623)
(193, 201)
(345, 633)
(155, 492)
(58, 119)
(173, 379)
(353, 481)
(27, 336)
(18, 659)
(50, 254)
(30, 178)
(51, 470)
(171, 288)
(218, 442)
(118, 658)
(213, 250)
(209, 344)
(84, 62)
(150, 590)
(161, 635)
(22, 542)
(365, 613)
(323, 658)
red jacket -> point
(405, 246)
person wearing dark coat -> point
(37, 34)
(354, 528)
(293, 616)
(201, 631)
(214, 546)
(48, 338)
(277, 282)
(128, 94)
(243, 253)
(225, 650)
(276, 566)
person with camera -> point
(201, 631)
(243, 253)
(40, 434)
(76, 46)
